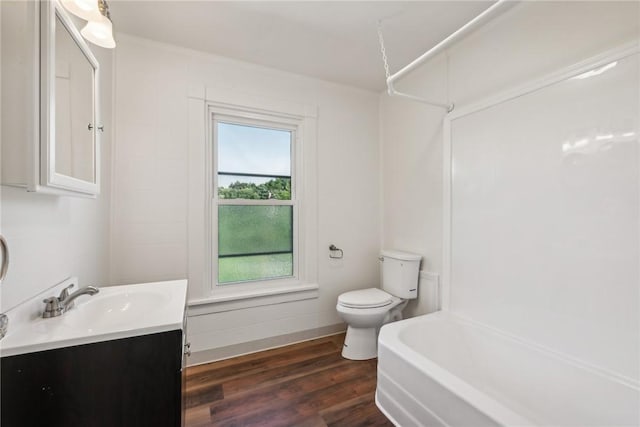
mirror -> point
(69, 130)
(74, 146)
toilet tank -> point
(400, 273)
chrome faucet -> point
(70, 298)
(56, 306)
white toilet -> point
(366, 310)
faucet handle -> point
(4, 325)
(64, 294)
(52, 308)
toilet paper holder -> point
(335, 252)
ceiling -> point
(330, 40)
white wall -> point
(151, 175)
(51, 237)
(529, 41)
(545, 217)
(411, 168)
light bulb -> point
(85, 9)
(99, 32)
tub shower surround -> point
(539, 326)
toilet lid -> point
(365, 298)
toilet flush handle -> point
(381, 258)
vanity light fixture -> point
(99, 32)
(99, 29)
(85, 9)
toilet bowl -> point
(366, 310)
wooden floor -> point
(302, 385)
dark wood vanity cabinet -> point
(134, 381)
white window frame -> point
(266, 119)
(203, 298)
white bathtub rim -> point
(572, 360)
(593, 369)
(475, 397)
(462, 389)
(465, 392)
(589, 367)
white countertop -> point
(115, 312)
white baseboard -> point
(215, 354)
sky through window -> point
(249, 149)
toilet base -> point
(360, 343)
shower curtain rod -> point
(435, 50)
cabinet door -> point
(129, 382)
(69, 133)
(50, 102)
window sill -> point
(238, 299)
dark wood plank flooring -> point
(302, 385)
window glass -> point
(247, 229)
(255, 241)
(254, 188)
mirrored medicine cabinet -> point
(55, 147)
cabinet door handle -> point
(4, 252)
(187, 349)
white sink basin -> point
(124, 308)
(113, 313)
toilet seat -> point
(365, 298)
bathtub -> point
(443, 370)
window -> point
(254, 203)
(266, 234)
